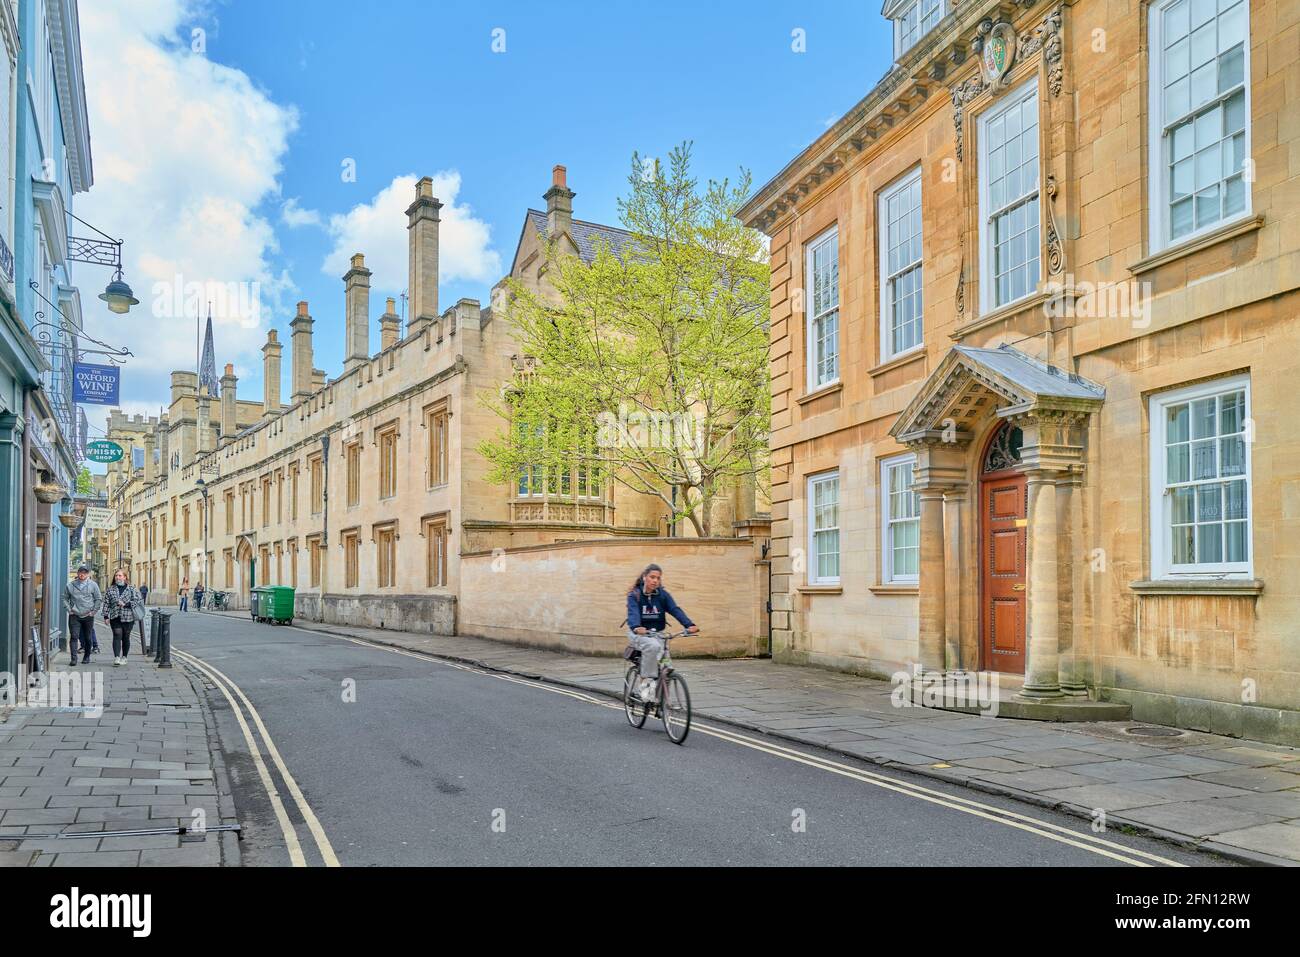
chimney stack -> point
(356, 285)
(271, 374)
(302, 357)
(422, 240)
(317, 379)
(559, 205)
(228, 384)
(204, 416)
(150, 469)
(389, 326)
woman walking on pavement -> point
(185, 595)
(122, 603)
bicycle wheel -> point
(635, 709)
(676, 710)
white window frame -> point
(887, 575)
(813, 577)
(986, 259)
(830, 235)
(921, 28)
(1158, 146)
(1162, 567)
(886, 297)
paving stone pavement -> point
(1235, 797)
(145, 763)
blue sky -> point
(211, 146)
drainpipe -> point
(325, 517)
(767, 548)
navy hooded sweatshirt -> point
(647, 611)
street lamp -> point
(118, 295)
(103, 252)
(203, 487)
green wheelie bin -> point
(257, 597)
(277, 604)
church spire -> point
(208, 364)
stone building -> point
(1034, 326)
(364, 491)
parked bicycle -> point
(672, 699)
(219, 601)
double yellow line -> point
(232, 691)
(1023, 822)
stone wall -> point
(429, 614)
(572, 595)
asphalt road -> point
(400, 759)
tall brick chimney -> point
(559, 205)
(356, 285)
(389, 326)
(228, 395)
(300, 341)
(271, 373)
(422, 241)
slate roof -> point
(586, 234)
(1032, 374)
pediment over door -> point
(968, 381)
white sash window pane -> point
(1010, 180)
(1204, 495)
(823, 277)
(823, 515)
(1199, 75)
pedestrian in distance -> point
(199, 592)
(648, 602)
(184, 595)
(144, 594)
(122, 603)
(84, 598)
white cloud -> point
(185, 152)
(293, 215)
(378, 229)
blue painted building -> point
(47, 145)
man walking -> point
(84, 598)
(199, 592)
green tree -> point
(647, 367)
(85, 484)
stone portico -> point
(1003, 413)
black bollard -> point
(163, 625)
(153, 632)
(165, 642)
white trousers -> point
(651, 648)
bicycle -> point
(219, 601)
(672, 700)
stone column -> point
(150, 470)
(954, 507)
(1042, 674)
(933, 585)
(11, 545)
(1067, 504)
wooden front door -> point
(1003, 579)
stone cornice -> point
(898, 95)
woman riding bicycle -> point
(647, 605)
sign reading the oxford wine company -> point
(94, 384)
(103, 451)
(998, 53)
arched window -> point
(1004, 449)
